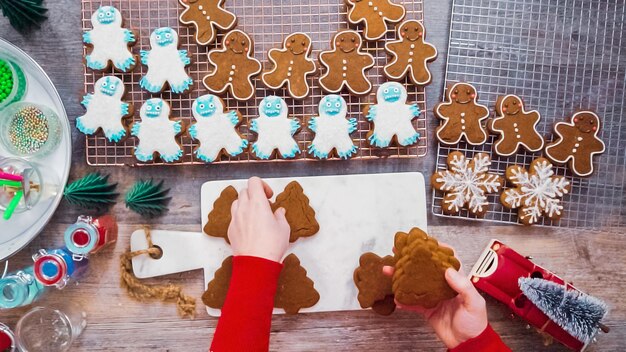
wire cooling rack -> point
(267, 22)
(559, 56)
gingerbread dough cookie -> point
(220, 216)
(577, 142)
(206, 16)
(410, 54)
(295, 289)
(346, 64)
(234, 66)
(462, 116)
(374, 286)
(217, 289)
(374, 14)
(299, 214)
(515, 126)
(291, 65)
(419, 276)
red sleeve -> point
(487, 341)
(247, 313)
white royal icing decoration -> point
(275, 130)
(109, 40)
(332, 129)
(166, 64)
(156, 132)
(392, 116)
(105, 109)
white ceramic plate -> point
(22, 228)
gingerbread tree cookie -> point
(577, 142)
(345, 64)
(410, 54)
(421, 263)
(374, 14)
(295, 289)
(466, 183)
(217, 289)
(462, 116)
(536, 192)
(291, 65)
(515, 126)
(206, 16)
(234, 66)
(220, 215)
(374, 286)
(299, 214)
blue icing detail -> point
(144, 56)
(124, 108)
(392, 91)
(183, 57)
(313, 124)
(203, 157)
(244, 145)
(117, 136)
(143, 156)
(347, 153)
(351, 125)
(205, 105)
(254, 126)
(411, 140)
(259, 155)
(164, 36)
(126, 64)
(316, 152)
(135, 130)
(94, 64)
(154, 107)
(87, 38)
(291, 153)
(109, 85)
(177, 127)
(371, 113)
(375, 141)
(173, 157)
(272, 106)
(81, 127)
(86, 100)
(193, 131)
(179, 88)
(234, 118)
(106, 14)
(148, 86)
(415, 110)
(331, 104)
(129, 36)
(295, 125)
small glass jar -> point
(88, 235)
(32, 179)
(19, 289)
(51, 329)
(29, 130)
(12, 82)
(7, 339)
(55, 267)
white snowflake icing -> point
(467, 183)
(537, 192)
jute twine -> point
(186, 304)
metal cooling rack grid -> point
(559, 56)
(267, 24)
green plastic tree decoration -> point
(577, 313)
(92, 191)
(148, 198)
(23, 14)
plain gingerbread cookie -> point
(462, 116)
(373, 285)
(374, 14)
(515, 127)
(410, 54)
(295, 290)
(206, 16)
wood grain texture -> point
(593, 261)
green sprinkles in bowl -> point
(28, 130)
(6, 80)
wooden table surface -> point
(593, 261)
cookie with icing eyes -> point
(577, 142)
(332, 129)
(410, 54)
(207, 16)
(291, 66)
(345, 64)
(462, 116)
(374, 15)
(157, 133)
(110, 41)
(275, 130)
(515, 127)
(234, 66)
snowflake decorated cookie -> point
(156, 132)
(105, 110)
(537, 192)
(374, 14)
(166, 64)
(392, 117)
(275, 130)
(332, 129)
(466, 183)
(215, 129)
(462, 116)
(110, 41)
(207, 16)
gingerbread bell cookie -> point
(291, 65)
(206, 16)
(295, 290)
(217, 288)
(462, 116)
(345, 64)
(577, 142)
(419, 276)
(299, 214)
(234, 66)
(220, 216)
(515, 127)
(374, 14)
(410, 54)
(373, 285)
(535, 192)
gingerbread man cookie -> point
(577, 142)
(410, 54)
(462, 116)
(516, 126)
(374, 14)
(206, 16)
(234, 66)
(292, 66)
(346, 64)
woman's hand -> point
(254, 229)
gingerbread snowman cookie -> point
(577, 142)
(234, 66)
(515, 126)
(291, 66)
(206, 16)
(374, 14)
(346, 64)
(410, 54)
(462, 116)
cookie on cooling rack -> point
(515, 127)
(332, 129)
(462, 116)
(110, 41)
(275, 130)
(410, 54)
(374, 15)
(157, 133)
(206, 16)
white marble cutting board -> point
(356, 213)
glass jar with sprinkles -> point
(29, 130)
(12, 82)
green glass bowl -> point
(19, 84)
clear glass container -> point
(50, 329)
(19, 83)
(29, 130)
(36, 185)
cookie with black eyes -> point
(206, 16)
(345, 64)
(234, 66)
(515, 126)
(291, 66)
(374, 14)
(577, 142)
(462, 116)
(410, 54)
